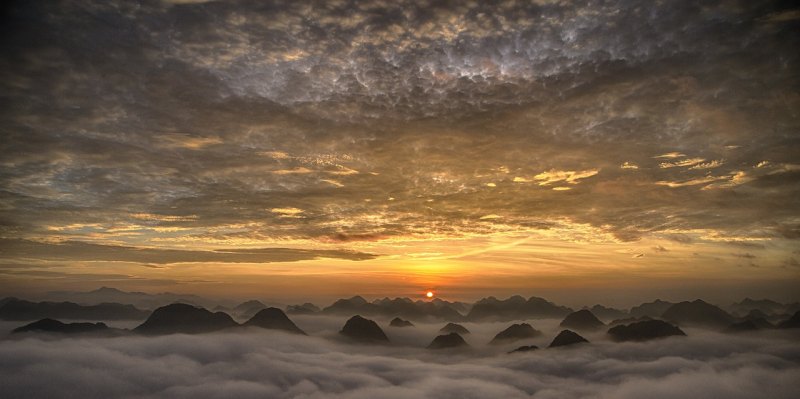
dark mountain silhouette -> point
(7, 299)
(460, 307)
(606, 313)
(792, 322)
(755, 314)
(761, 323)
(515, 308)
(186, 319)
(629, 320)
(525, 348)
(353, 304)
(55, 326)
(306, 308)
(141, 300)
(582, 320)
(698, 313)
(17, 309)
(452, 340)
(398, 322)
(651, 309)
(514, 333)
(397, 307)
(766, 306)
(274, 319)
(566, 338)
(456, 328)
(363, 330)
(644, 330)
(742, 326)
(248, 309)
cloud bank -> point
(259, 364)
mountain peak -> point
(184, 318)
(515, 332)
(274, 319)
(453, 327)
(398, 322)
(358, 299)
(56, 326)
(447, 341)
(363, 330)
(644, 330)
(566, 338)
(583, 319)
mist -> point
(260, 363)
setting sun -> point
(429, 294)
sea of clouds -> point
(266, 364)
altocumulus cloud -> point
(262, 364)
(173, 123)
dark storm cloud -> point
(367, 120)
(248, 365)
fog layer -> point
(260, 363)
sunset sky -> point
(586, 152)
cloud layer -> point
(235, 123)
(259, 364)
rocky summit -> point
(185, 319)
(583, 320)
(514, 333)
(274, 319)
(398, 322)
(55, 326)
(446, 341)
(363, 330)
(566, 338)
(454, 327)
(644, 330)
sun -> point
(429, 294)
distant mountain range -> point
(180, 318)
(766, 306)
(18, 309)
(113, 304)
(141, 300)
(515, 308)
(698, 313)
(398, 307)
(650, 309)
(57, 327)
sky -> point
(587, 152)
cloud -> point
(79, 251)
(682, 163)
(745, 255)
(288, 212)
(184, 124)
(707, 165)
(188, 142)
(262, 363)
(294, 171)
(568, 176)
(692, 182)
(670, 155)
